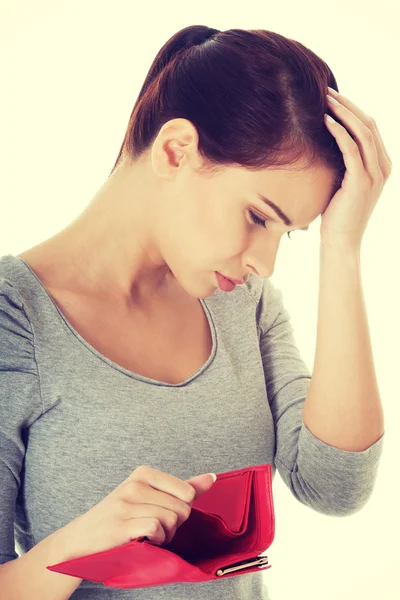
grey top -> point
(74, 424)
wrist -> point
(61, 545)
(340, 246)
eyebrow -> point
(278, 211)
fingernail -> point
(332, 91)
(213, 475)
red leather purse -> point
(229, 527)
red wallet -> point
(229, 527)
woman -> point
(127, 356)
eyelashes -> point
(257, 221)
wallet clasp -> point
(249, 562)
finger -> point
(386, 164)
(365, 118)
(349, 148)
(365, 137)
(384, 159)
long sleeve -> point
(20, 405)
(330, 480)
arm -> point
(343, 406)
(26, 578)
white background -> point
(71, 72)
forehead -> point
(301, 194)
(296, 182)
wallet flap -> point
(228, 499)
(135, 564)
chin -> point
(201, 288)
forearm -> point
(26, 578)
(343, 406)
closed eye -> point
(257, 221)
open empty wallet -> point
(229, 527)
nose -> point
(262, 262)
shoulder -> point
(20, 392)
(15, 326)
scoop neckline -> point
(115, 365)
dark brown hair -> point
(256, 98)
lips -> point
(237, 281)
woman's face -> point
(207, 225)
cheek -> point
(215, 230)
(231, 234)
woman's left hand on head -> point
(368, 167)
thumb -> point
(202, 483)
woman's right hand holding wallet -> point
(148, 503)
